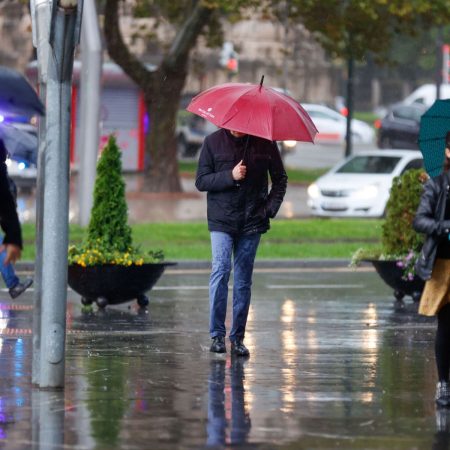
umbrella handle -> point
(244, 156)
(261, 82)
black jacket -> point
(242, 207)
(9, 220)
(429, 220)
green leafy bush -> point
(109, 239)
(398, 235)
(399, 241)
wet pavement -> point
(332, 365)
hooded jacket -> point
(9, 220)
(245, 206)
(429, 220)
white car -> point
(359, 186)
(332, 126)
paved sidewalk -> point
(332, 366)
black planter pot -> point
(392, 275)
(112, 284)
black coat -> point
(429, 220)
(9, 220)
(240, 207)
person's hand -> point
(13, 253)
(239, 171)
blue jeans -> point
(244, 249)
(8, 273)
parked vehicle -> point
(400, 127)
(332, 126)
(426, 94)
(192, 130)
(22, 165)
(359, 185)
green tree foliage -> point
(354, 27)
(398, 236)
(109, 216)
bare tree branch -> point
(118, 50)
(186, 37)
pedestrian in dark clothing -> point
(234, 170)
(11, 249)
(433, 219)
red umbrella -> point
(254, 109)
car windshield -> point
(370, 164)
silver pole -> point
(47, 419)
(40, 14)
(91, 59)
(64, 29)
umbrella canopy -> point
(255, 110)
(434, 125)
(20, 144)
(17, 96)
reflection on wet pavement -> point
(330, 368)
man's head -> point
(237, 134)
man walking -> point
(11, 249)
(234, 170)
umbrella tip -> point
(261, 82)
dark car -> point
(400, 127)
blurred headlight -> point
(290, 144)
(367, 192)
(8, 162)
(313, 190)
(21, 166)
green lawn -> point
(308, 238)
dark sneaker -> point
(239, 349)
(20, 287)
(443, 394)
(218, 345)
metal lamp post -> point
(64, 19)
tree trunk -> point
(162, 101)
(162, 91)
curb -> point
(28, 266)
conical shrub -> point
(108, 226)
(109, 237)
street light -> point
(56, 32)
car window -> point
(403, 113)
(407, 113)
(417, 114)
(414, 164)
(370, 164)
(322, 115)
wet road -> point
(332, 366)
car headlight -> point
(313, 190)
(367, 192)
(290, 144)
